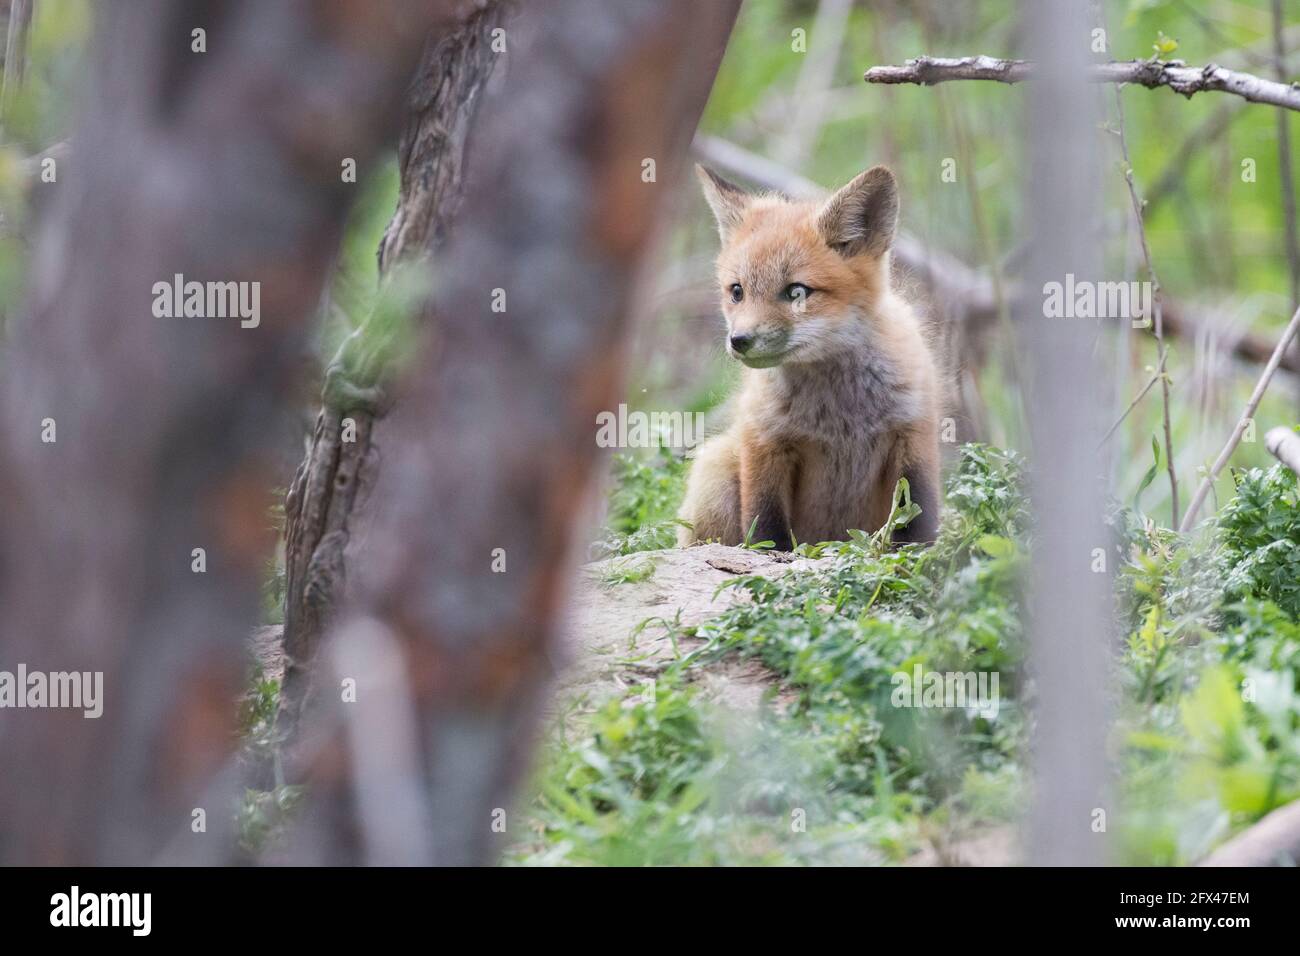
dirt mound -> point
(607, 653)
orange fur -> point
(841, 396)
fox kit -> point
(841, 395)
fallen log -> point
(1273, 841)
(1284, 445)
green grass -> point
(628, 572)
(261, 816)
(643, 504)
(834, 773)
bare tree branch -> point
(1235, 438)
(1188, 80)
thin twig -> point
(1260, 387)
(1157, 301)
(928, 70)
(1160, 371)
(1284, 158)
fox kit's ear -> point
(860, 218)
(727, 200)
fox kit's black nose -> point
(740, 342)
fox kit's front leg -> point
(766, 491)
(919, 459)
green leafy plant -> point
(1260, 530)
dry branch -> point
(1284, 445)
(1235, 438)
(1188, 80)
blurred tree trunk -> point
(494, 437)
(223, 165)
(1070, 591)
(326, 498)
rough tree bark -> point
(494, 431)
(324, 503)
(219, 166)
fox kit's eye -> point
(796, 291)
(737, 293)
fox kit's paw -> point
(771, 525)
